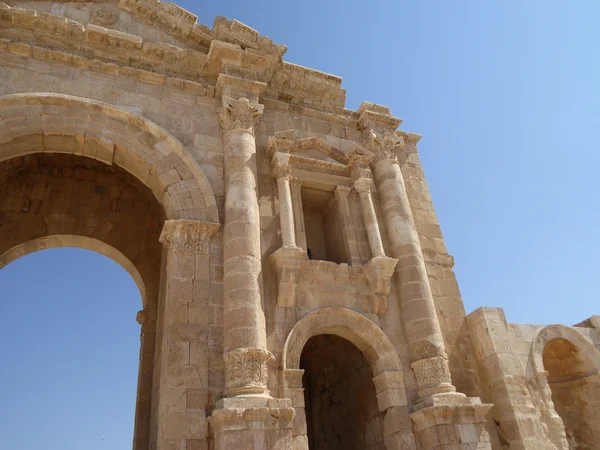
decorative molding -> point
(239, 114)
(364, 185)
(104, 17)
(287, 262)
(280, 166)
(247, 371)
(385, 145)
(256, 413)
(292, 266)
(433, 376)
(379, 271)
(188, 236)
(146, 317)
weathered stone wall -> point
(104, 14)
(169, 120)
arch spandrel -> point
(350, 325)
(56, 123)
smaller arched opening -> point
(571, 366)
(339, 395)
(346, 382)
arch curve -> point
(589, 353)
(77, 241)
(57, 123)
(350, 325)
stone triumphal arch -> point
(297, 291)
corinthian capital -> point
(280, 166)
(385, 146)
(246, 371)
(187, 236)
(239, 114)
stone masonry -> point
(297, 291)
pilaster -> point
(183, 376)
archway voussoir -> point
(111, 135)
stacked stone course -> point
(286, 248)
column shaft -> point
(341, 194)
(296, 189)
(362, 185)
(286, 215)
(244, 335)
(418, 309)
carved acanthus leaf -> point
(385, 146)
(247, 370)
(239, 114)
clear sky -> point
(506, 96)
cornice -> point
(231, 49)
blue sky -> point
(506, 96)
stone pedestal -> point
(451, 422)
(253, 423)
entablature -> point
(230, 48)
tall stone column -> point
(247, 417)
(428, 354)
(442, 417)
(244, 336)
(182, 357)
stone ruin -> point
(297, 291)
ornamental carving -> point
(239, 114)
(432, 372)
(280, 166)
(104, 17)
(363, 185)
(246, 370)
(384, 145)
(188, 236)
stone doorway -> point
(340, 397)
(575, 387)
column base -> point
(451, 421)
(252, 423)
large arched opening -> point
(58, 200)
(70, 347)
(571, 366)
(75, 172)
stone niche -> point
(327, 256)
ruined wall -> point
(152, 59)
